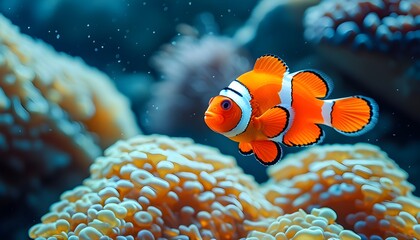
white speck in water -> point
(88, 25)
(96, 49)
(58, 36)
(229, 10)
(154, 32)
(29, 27)
(189, 3)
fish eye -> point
(226, 104)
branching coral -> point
(381, 25)
(194, 70)
(319, 224)
(55, 114)
(368, 190)
(154, 186)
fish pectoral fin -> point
(271, 64)
(273, 121)
(267, 152)
(317, 83)
(245, 148)
(300, 135)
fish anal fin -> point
(354, 115)
(303, 134)
(245, 148)
(273, 121)
(316, 83)
(271, 64)
(267, 152)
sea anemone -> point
(55, 115)
(193, 70)
(158, 187)
(368, 190)
(319, 224)
(379, 25)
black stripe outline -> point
(227, 88)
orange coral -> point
(155, 186)
(368, 190)
(159, 187)
(319, 224)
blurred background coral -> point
(76, 76)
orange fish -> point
(269, 105)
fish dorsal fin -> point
(271, 64)
(316, 82)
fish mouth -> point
(212, 118)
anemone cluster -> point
(156, 187)
(319, 224)
(389, 26)
(56, 116)
(151, 187)
(367, 190)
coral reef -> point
(159, 187)
(385, 35)
(194, 69)
(368, 190)
(319, 224)
(380, 25)
(154, 186)
(55, 116)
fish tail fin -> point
(352, 115)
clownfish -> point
(268, 106)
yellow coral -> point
(155, 186)
(368, 190)
(318, 225)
